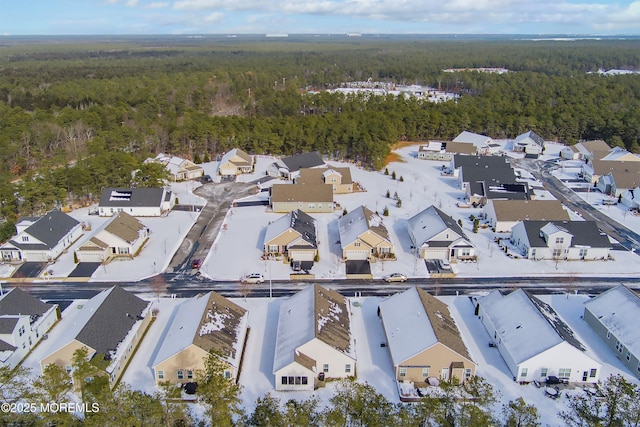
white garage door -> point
(90, 256)
(301, 255)
(433, 253)
(358, 255)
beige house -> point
(423, 339)
(339, 178)
(122, 236)
(306, 197)
(585, 150)
(201, 324)
(314, 340)
(235, 162)
(502, 215)
(179, 169)
(363, 236)
(293, 235)
(110, 326)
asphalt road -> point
(542, 171)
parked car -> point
(196, 263)
(253, 278)
(444, 264)
(395, 277)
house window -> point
(227, 374)
(564, 372)
(273, 249)
(533, 253)
(347, 367)
(465, 252)
(608, 334)
(305, 381)
(356, 244)
(444, 374)
(425, 372)
(180, 374)
(619, 347)
(333, 179)
(325, 367)
(556, 252)
(544, 372)
(592, 373)
(638, 368)
(559, 240)
(189, 375)
(403, 372)
(384, 250)
(160, 375)
(583, 253)
(319, 205)
(312, 205)
(25, 238)
(524, 372)
(123, 250)
(284, 381)
(628, 352)
(467, 374)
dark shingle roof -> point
(112, 320)
(305, 225)
(558, 325)
(138, 197)
(49, 229)
(304, 160)
(17, 302)
(585, 233)
(5, 346)
(8, 324)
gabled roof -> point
(315, 175)
(430, 222)
(18, 302)
(297, 220)
(302, 193)
(587, 147)
(530, 210)
(492, 169)
(414, 320)
(125, 227)
(461, 148)
(525, 325)
(585, 233)
(174, 163)
(432, 146)
(132, 197)
(618, 309)
(620, 154)
(209, 321)
(358, 221)
(49, 229)
(530, 135)
(304, 160)
(8, 324)
(472, 138)
(314, 312)
(111, 320)
(246, 158)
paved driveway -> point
(29, 270)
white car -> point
(444, 264)
(253, 278)
(395, 277)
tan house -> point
(202, 324)
(339, 178)
(235, 162)
(502, 215)
(122, 236)
(293, 235)
(110, 326)
(314, 340)
(363, 236)
(179, 169)
(585, 150)
(306, 197)
(423, 339)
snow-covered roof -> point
(414, 320)
(429, 223)
(357, 222)
(246, 158)
(618, 309)
(314, 312)
(529, 137)
(473, 138)
(525, 325)
(296, 220)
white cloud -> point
(155, 5)
(201, 4)
(214, 17)
(131, 3)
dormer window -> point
(25, 238)
(559, 240)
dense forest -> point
(76, 116)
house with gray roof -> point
(289, 167)
(314, 340)
(179, 169)
(502, 215)
(533, 339)
(483, 144)
(613, 316)
(136, 201)
(363, 235)
(123, 236)
(24, 321)
(109, 326)
(560, 240)
(529, 143)
(435, 235)
(292, 236)
(41, 239)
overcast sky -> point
(58, 17)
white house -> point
(435, 235)
(121, 236)
(289, 167)
(533, 340)
(136, 201)
(631, 198)
(567, 240)
(613, 316)
(484, 144)
(503, 215)
(314, 340)
(179, 169)
(24, 320)
(584, 150)
(528, 143)
(235, 162)
(42, 239)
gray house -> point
(136, 201)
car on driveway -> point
(395, 277)
(253, 278)
(444, 264)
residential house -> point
(613, 316)
(179, 169)
(423, 339)
(533, 339)
(484, 144)
(289, 167)
(314, 340)
(444, 151)
(339, 178)
(484, 178)
(556, 240)
(41, 239)
(584, 150)
(529, 143)
(136, 201)
(622, 176)
(619, 154)
(24, 321)
(201, 325)
(306, 197)
(502, 215)
(363, 235)
(631, 198)
(293, 235)
(121, 236)
(110, 326)
(435, 235)
(235, 162)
